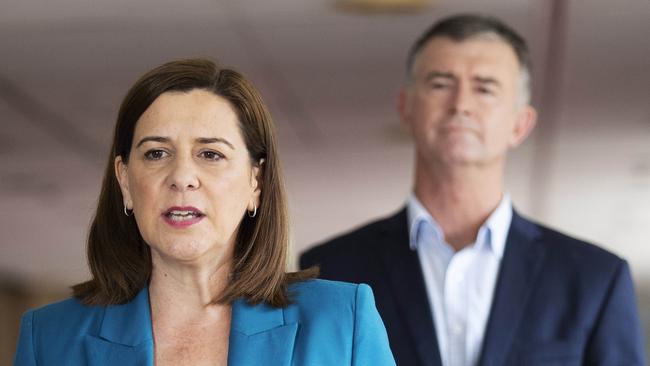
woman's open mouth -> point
(182, 216)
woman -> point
(188, 246)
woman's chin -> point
(191, 252)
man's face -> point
(463, 105)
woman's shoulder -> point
(70, 303)
(323, 296)
(339, 317)
(317, 288)
(67, 307)
(61, 317)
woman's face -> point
(189, 179)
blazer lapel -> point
(520, 269)
(260, 336)
(405, 277)
(125, 336)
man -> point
(460, 278)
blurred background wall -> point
(330, 71)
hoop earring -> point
(254, 212)
(126, 211)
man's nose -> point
(462, 100)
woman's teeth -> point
(182, 215)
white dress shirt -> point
(460, 285)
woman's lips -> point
(181, 217)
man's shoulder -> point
(581, 254)
(360, 239)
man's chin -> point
(463, 154)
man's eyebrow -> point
(439, 74)
(152, 138)
(212, 140)
(487, 80)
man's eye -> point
(487, 91)
(439, 85)
(211, 155)
(155, 154)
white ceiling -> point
(330, 80)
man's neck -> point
(460, 199)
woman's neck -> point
(187, 287)
(189, 328)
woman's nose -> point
(183, 175)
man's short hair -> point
(465, 26)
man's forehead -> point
(482, 51)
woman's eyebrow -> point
(212, 140)
(152, 138)
(200, 140)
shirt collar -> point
(497, 224)
(417, 216)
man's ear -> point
(403, 106)
(526, 120)
(121, 170)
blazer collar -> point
(258, 335)
(125, 336)
(405, 278)
(128, 324)
(520, 269)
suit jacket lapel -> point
(260, 336)
(125, 336)
(405, 277)
(520, 269)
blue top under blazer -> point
(329, 323)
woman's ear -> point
(256, 183)
(121, 170)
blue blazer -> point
(557, 300)
(329, 323)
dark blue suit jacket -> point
(558, 300)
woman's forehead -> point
(196, 113)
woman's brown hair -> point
(120, 260)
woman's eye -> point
(155, 154)
(211, 155)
